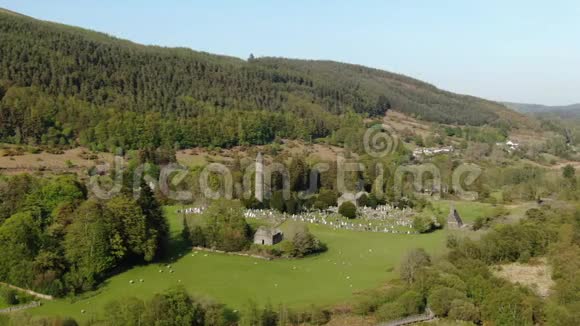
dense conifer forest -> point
(61, 85)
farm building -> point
(268, 236)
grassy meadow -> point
(355, 261)
(3, 304)
(468, 210)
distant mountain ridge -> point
(539, 108)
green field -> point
(3, 304)
(355, 261)
(468, 210)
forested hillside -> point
(403, 93)
(62, 85)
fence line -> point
(232, 253)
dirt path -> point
(32, 293)
(559, 166)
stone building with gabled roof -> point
(454, 221)
(268, 236)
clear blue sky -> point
(509, 50)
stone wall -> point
(32, 304)
(231, 253)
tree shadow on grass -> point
(177, 247)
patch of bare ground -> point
(72, 160)
(402, 123)
(77, 160)
(530, 136)
(537, 275)
(314, 152)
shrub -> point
(374, 299)
(507, 196)
(348, 210)
(400, 305)
(452, 241)
(524, 257)
(535, 214)
(511, 306)
(277, 201)
(319, 316)
(9, 296)
(292, 206)
(327, 198)
(269, 316)
(367, 305)
(252, 203)
(197, 237)
(463, 310)
(441, 298)
(412, 302)
(319, 204)
(363, 201)
(560, 315)
(391, 311)
(478, 224)
(452, 281)
(413, 262)
(304, 243)
(374, 201)
(423, 224)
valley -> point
(153, 185)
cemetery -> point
(383, 218)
